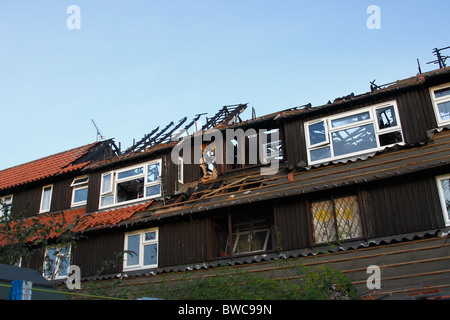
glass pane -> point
(348, 218)
(321, 153)
(354, 140)
(386, 117)
(323, 221)
(350, 119)
(130, 190)
(153, 190)
(45, 205)
(5, 205)
(445, 184)
(444, 110)
(153, 172)
(80, 195)
(64, 264)
(150, 236)
(106, 183)
(133, 245)
(130, 173)
(78, 181)
(442, 93)
(50, 262)
(390, 138)
(150, 254)
(317, 133)
(107, 200)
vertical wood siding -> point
(183, 242)
(95, 251)
(292, 224)
(402, 205)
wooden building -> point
(363, 180)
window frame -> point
(442, 199)
(238, 234)
(49, 201)
(58, 257)
(435, 101)
(2, 200)
(142, 244)
(329, 130)
(335, 214)
(76, 186)
(112, 191)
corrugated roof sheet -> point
(45, 167)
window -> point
(56, 262)
(79, 191)
(272, 150)
(441, 102)
(5, 205)
(141, 250)
(131, 184)
(353, 133)
(336, 219)
(443, 183)
(46, 198)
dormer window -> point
(131, 184)
(79, 191)
(353, 133)
(441, 102)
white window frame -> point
(329, 130)
(142, 244)
(76, 186)
(248, 233)
(4, 200)
(42, 210)
(112, 191)
(442, 197)
(436, 101)
(58, 259)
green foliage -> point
(22, 237)
(320, 283)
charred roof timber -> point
(226, 115)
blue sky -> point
(135, 65)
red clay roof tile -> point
(45, 167)
(92, 221)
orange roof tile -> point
(111, 217)
(92, 221)
(45, 167)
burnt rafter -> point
(226, 115)
(172, 132)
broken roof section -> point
(226, 116)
